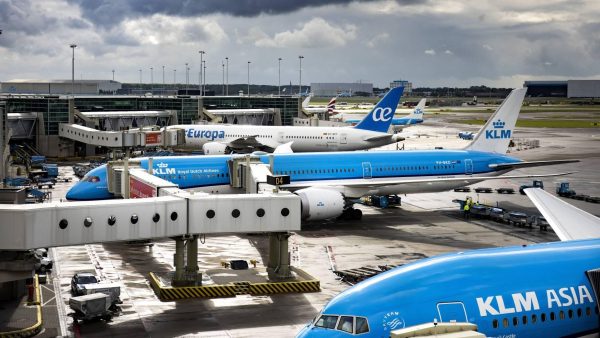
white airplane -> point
(330, 108)
(371, 132)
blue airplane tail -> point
(380, 118)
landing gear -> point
(351, 214)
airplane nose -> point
(74, 193)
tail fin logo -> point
(382, 114)
(498, 132)
(418, 111)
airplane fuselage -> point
(305, 139)
(332, 169)
(538, 290)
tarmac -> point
(423, 226)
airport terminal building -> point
(35, 119)
(60, 87)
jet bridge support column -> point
(278, 266)
(191, 267)
(179, 260)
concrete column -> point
(279, 257)
(179, 260)
(192, 255)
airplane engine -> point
(214, 148)
(319, 204)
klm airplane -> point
(330, 183)
(415, 117)
(542, 290)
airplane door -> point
(280, 137)
(367, 170)
(452, 312)
(468, 167)
(343, 139)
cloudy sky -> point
(429, 42)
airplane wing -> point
(519, 165)
(567, 221)
(358, 187)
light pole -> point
(187, 77)
(73, 46)
(204, 77)
(140, 78)
(200, 82)
(300, 84)
(226, 76)
(249, 78)
(152, 78)
(113, 74)
(174, 76)
(223, 74)
(163, 77)
(279, 77)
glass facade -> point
(56, 109)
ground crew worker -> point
(466, 210)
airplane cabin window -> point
(346, 324)
(495, 323)
(362, 325)
(579, 312)
(552, 316)
(515, 321)
(543, 317)
(327, 321)
(561, 314)
(524, 320)
(505, 322)
(588, 311)
(570, 313)
(533, 319)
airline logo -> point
(498, 132)
(382, 114)
(207, 134)
(163, 169)
(528, 301)
(418, 111)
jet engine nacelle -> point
(214, 148)
(319, 204)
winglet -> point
(380, 118)
(567, 221)
(497, 132)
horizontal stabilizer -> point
(519, 165)
(568, 222)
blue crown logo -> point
(498, 124)
(162, 165)
(418, 111)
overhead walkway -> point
(22, 125)
(258, 117)
(123, 139)
(119, 120)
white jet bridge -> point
(155, 208)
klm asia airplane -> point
(370, 132)
(329, 183)
(542, 290)
(415, 117)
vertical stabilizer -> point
(498, 131)
(417, 114)
(380, 118)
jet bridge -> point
(156, 209)
(145, 137)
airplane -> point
(539, 290)
(330, 108)
(415, 117)
(371, 132)
(330, 183)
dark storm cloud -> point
(20, 16)
(112, 12)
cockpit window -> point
(346, 324)
(362, 325)
(327, 321)
(91, 179)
